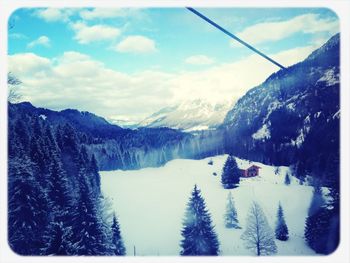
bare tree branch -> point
(13, 83)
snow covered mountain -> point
(293, 117)
(191, 115)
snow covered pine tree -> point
(258, 235)
(230, 217)
(199, 237)
(117, 241)
(321, 224)
(281, 230)
(230, 173)
(287, 179)
(54, 191)
(27, 208)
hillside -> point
(293, 117)
(118, 148)
(156, 199)
(113, 146)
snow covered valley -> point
(150, 204)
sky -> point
(127, 63)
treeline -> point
(55, 205)
(118, 148)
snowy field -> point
(151, 202)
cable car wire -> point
(234, 37)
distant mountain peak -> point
(333, 42)
(190, 115)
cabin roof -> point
(246, 167)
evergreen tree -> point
(281, 230)
(89, 234)
(316, 230)
(277, 170)
(28, 213)
(287, 179)
(54, 192)
(317, 201)
(95, 176)
(230, 173)
(61, 200)
(334, 206)
(37, 157)
(59, 240)
(18, 140)
(230, 218)
(322, 223)
(258, 235)
(59, 190)
(68, 144)
(117, 241)
(333, 235)
(199, 237)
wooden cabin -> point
(251, 171)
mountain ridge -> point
(189, 115)
(286, 119)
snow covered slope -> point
(189, 115)
(292, 116)
(151, 203)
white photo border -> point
(340, 7)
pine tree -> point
(322, 223)
(333, 238)
(68, 144)
(258, 235)
(317, 201)
(28, 213)
(37, 157)
(59, 235)
(316, 230)
(54, 192)
(230, 218)
(287, 179)
(117, 241)
(59, 190)
(281, 230)
(95, 176)
(230, 173)
(58, 240)
(277, 170)
(88, 231)
(199, 237)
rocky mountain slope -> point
(191, 115)
(293, 117)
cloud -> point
(292, 56)
(274, 31)
(55, 14)
(85, 34)
(17, 36)
(75, 80)
(110, 13)
(41, 41)
(25, 64)
(136, 44)
(103, 13)
(199, 60)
